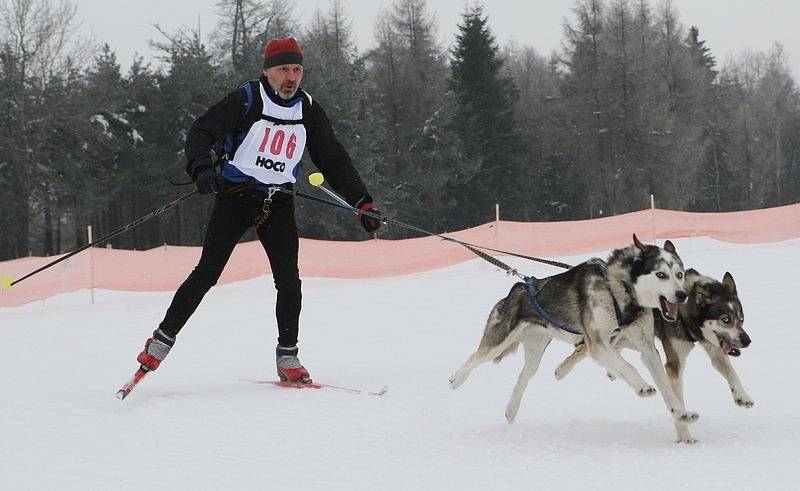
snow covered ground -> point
(196, 424)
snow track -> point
(194, 425)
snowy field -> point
(197, 424)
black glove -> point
(207, 181)
(369, 223)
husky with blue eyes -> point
(594, 303)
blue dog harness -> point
(533, 295)
(534, 298)
(533, 290)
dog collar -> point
(694, 332)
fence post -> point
(497, 225)
(91, 262)
(653, 216)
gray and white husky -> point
(598, 300)
(712, 317)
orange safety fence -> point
(164, 268)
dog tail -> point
(499, 327)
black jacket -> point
(230, 116)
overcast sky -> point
(728, 26)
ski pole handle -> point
(316, 179)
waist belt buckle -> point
(266, 207)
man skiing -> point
(265, 124)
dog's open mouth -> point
(728, 348)
(669, 310)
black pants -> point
(233, 214)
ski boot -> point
(155, 350)
(289, 367)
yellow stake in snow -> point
(5, 282)
(316, 179)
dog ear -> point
(638, 244)
(669, 246)
(728, 283)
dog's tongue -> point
(727, 347)
(672, 309)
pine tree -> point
(713, 103)
(405, 101)
(37, 49)
(540, 119)
(9, 173)
(63, 179)
(104, 97)
(635, 95)
(334, 75)
(766, 119)
(582, 92)
(192, 83)
(484, 119)
(148, 162)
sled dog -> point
(711, 317)
(594, 301)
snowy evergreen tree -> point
(191, 84)
(9, 173)
(36, 51)
(552, 191)
(484, 120)
(335, 76)
(406, 101)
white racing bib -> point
(271, 152)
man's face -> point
(284, 79)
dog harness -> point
(693, 331)
(533, 294)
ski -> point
(132, 383)
(315, 385)
(295, 385)
(378, 392)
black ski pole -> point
(8, 284)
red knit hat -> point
(283, 51)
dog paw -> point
(611, 376)
(687, 439)
(560, 372)
(457, 379)
(742, 399)
(646, 391)
(511, 414)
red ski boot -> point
(289, 368)
(155, 350)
